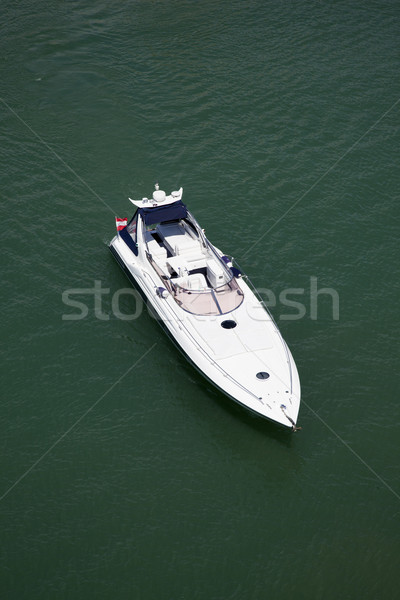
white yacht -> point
(208, 307)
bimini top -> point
(159, 214)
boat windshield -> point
(211, 301)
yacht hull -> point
(231, 359)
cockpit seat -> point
(195, 282)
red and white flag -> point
(120, 223)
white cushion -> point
(194, 282)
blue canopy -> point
(125, 235)
(169, 212)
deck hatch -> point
(262, 375)
(228, 324)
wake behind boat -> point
(208, 308)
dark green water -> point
(280, 121)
